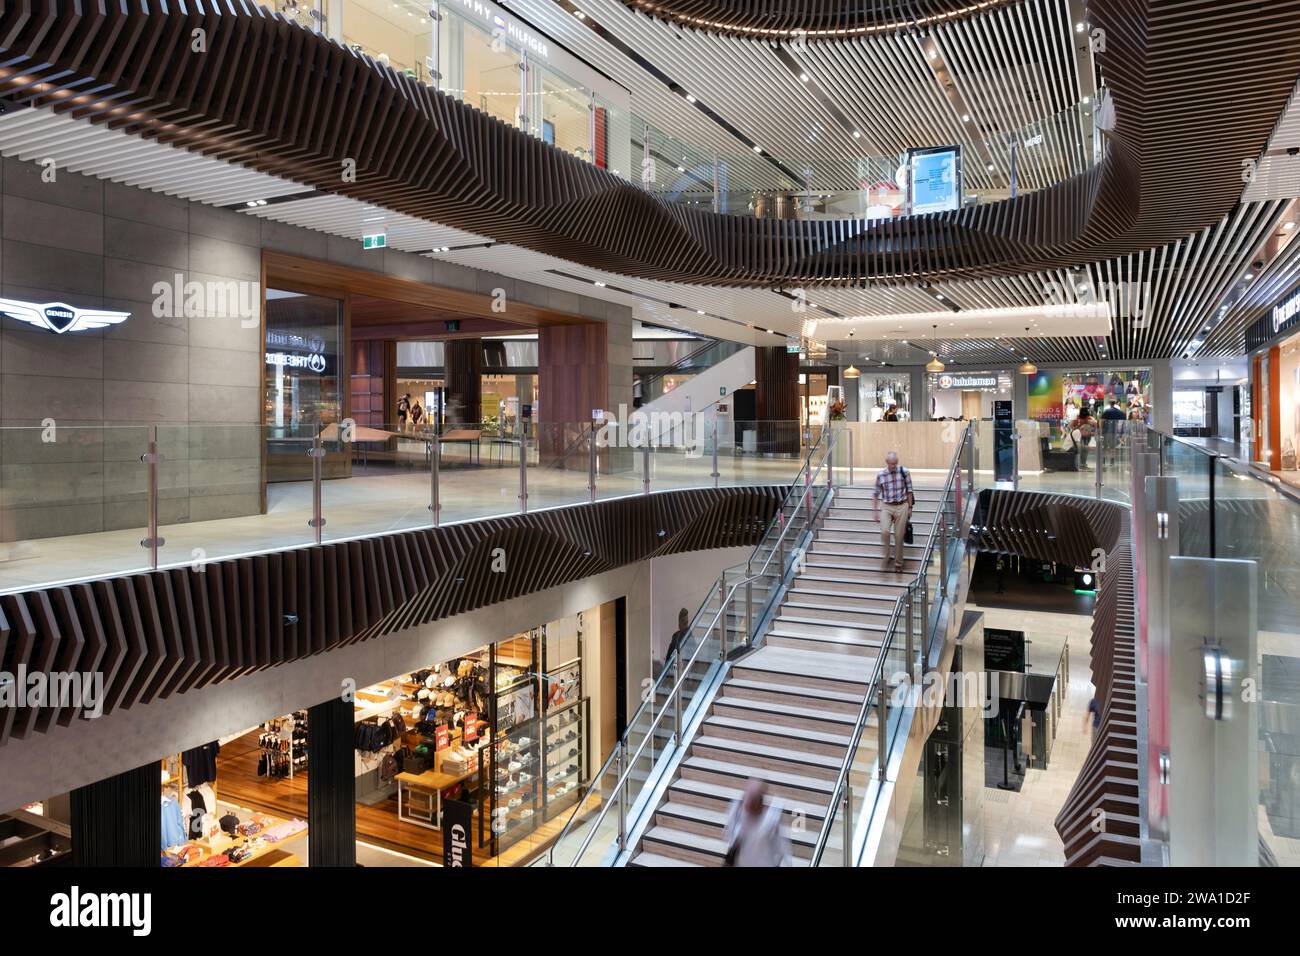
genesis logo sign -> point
(59, 318)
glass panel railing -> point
(914, 627)
(74, 502)
(732, 616)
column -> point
(331, 787)
(776, 386)
(572, 380)
(117, 821)
(463, 368)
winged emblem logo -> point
(59, 318)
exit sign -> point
(376, 241)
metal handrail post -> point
(591, 465)
(677, 698)
(721, 629)
(435, 467)
(848, 824)
(943, 555)
(645, 467)
(850, 434)
(882, 720)
(749, 613)
(925, 620)
(152, 541)
(1101, 454)
(910, 630)
(622, 805)
(715, 473)
(317, 455)
(523, 472)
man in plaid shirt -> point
(894, 485)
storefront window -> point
(1189, 411)
(303, 338)
(878, 393)
(397, 33)
(480, 70)
(1288, 396)
(1058, 398)
(561, 113)
(967, 395)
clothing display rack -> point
(283, 746)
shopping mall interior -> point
(607, 434)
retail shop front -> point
(1273, 344)
(502, 739)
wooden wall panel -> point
(463, 371)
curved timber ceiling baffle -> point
(1043, 527)
(776, 19)
(164, 632)
(1197, 87)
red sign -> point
(441, 737)
(471, 727)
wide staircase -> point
(786, 710)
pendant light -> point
(1028, 368)
(851, 372)
(934, 365)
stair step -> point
(713, 823)
(824, 720)
(648, 859)
(684, 845)
(781, 782)
(798, 621)
(751, 754)
(792, 735)
(703, 792)
(808, 697)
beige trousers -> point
(895, 517)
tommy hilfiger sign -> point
(59, 318)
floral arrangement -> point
(836, 410)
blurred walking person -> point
(755, 835)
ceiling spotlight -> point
(857, 134)
(690, 98)
(803, 77)
(579, 14)
(1288, 226)
(932, 53)
(1078, 27)
(681, 169)
(758, 149)
(965, 117)
(600, 285)
(699, 311)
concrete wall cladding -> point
(90, 243)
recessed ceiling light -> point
(699, 311)
(600, 284)
(965, 117)
(579, 14)
(857, 134)
(932, 53)
(990, 167)
(803, 77)
(758, 149)
(1078, 27)
(1288, 226)
(689, 98)
(681, 169)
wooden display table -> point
(431, 783)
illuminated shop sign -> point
(1284, 316)
(491, 16)
(968, 381)
(291, 340)
(314, 362)
(59, 318)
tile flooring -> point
(1019, 827)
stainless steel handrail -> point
(873, 687)
(628, 764)
(801, 487)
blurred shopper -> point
(891, 414)
(1085, 428)
(755, 835)
(894, 485)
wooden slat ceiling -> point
(764, 18)
(1196, 85)
(166, 632)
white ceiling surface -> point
(1277, 174)
(1013, 67)
(1044, 320)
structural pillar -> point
(463, 368)
(776, 386)
(331, 786)
(572, 381)
(117, 821)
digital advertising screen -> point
(935, 179)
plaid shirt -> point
(894, 486)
